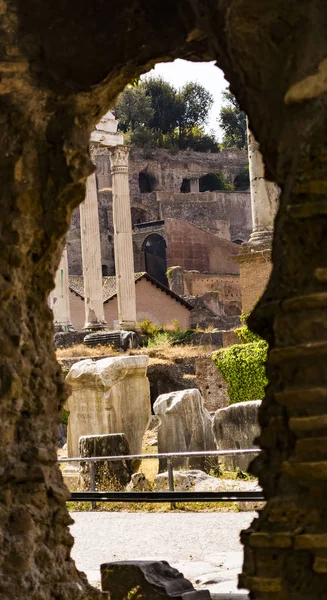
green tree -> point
(133, 108)
(153, 113)
(232, 121)
(196, 103)
(165, 102)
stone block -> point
(111, 395)
(149, 580)
(212, 385)
(236, 427)
(106, 473)
(185, 425)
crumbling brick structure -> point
(61, 68)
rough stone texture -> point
(211, 383)
(138, 483)
(255, 269)
(111, 395)
(185, 425)
(64, 339)
(236, 427)
(151, 580)
(60, 72)
(106, 473)
(225, 214)
(168, 169)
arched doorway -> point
(154, 248)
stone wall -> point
(225, 214)
(255, 270)
(168, 168)
(193, 248)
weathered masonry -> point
(60, 72)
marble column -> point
(59, 297)
(91, 256)
(264, 196)
(255, 255)
(124, 260)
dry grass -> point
(174, 352)
(162, 352)
(80, 350)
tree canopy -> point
(154, 113)
(232, 121)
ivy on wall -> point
(243, 366)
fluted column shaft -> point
(124, 261)
(59, 297)
(91, 256)
(264, 196)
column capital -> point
(119, 158)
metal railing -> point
(172, 496)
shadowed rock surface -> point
(151, 580)
(236, 427)
(185, 425)
(106, 473)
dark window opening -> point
(186, 186)
(146, 183)
(238, 241)
(105, 271)
(211, 183)
(154, 248)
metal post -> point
(171, 479)
(92, 482)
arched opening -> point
(211, 182)
(242, 179)
(146, 183)
(154, 248)
(186, 186)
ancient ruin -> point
(61, 70)
(111, 395)
(185, 425)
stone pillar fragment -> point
(59, 297)
(111, 395)
(91, 256)
(124, 261)
(264, 195)
(255, 256)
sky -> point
(180, 72)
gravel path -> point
(196, 543)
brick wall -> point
(255, 269)
(192, 248)
(151, 303)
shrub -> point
(243, 366)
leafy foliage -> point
(242, 180)
(133, 109)
(154, 114)
(215, 181)
(243, 366)
(232, 121)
